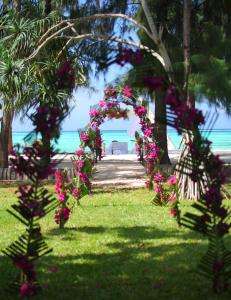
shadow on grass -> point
(129, 233)
(135, 266)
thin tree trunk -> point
(45, 140)
(187, 188)
(17, 5)
(160, 104)
(186, 43)
(48, 7)
(4, 7)
(4, 138)
(160, 122)
(10, 139)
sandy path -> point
(119, 171)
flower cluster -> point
(77, 187)
(35, 201)
(46, 120)
(130, 56)
(66, 76)
(151, 155)
(107, 109)
(166, 190)
(62, 188)
(83, 164)
(32, 161)
(186, 118)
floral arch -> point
(209, 215)
(165, 185)
(110, 108)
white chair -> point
(119, 148)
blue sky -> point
(84, 98)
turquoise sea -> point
(69, 140)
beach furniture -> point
(119, 147)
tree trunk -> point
(160, 122)
(4, 138)
(48, 7)
(10, 139)
(186, 43)
(187, 188)
(4, 7)
(17, 5)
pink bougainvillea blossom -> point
(158, 177)
(84, 136)
(79, 152)
(75, 193)
(94, 113)
(61, 197)
(27, 288)
(158, 188)
(172, 180)
(172, 212)
(127, 91)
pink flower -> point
(127, 91)
(146, 183)
(141, 110)
(82, 176)
(66, 213)
(78, 163)
(57, 189)
(102, 104)
(79, 152)
(148, 132)
(61, 197)
(138, 56)
(153, 155)
(158, 188)
(84, 136)
(57, 217)
(163, 196)
(158, 177)
(110, 92)
(172, 212)
(152, 146)
(27, 288)
(94, 113)
(75, 193)
(153, 83)
(172, 180)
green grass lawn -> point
(116, 245)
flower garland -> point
(210, 217)
(35, 201)
(110, 108)
(91, 137)
(78, 187)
